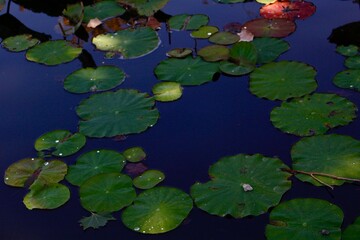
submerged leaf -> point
(96, 220)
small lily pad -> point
(96, 220)
(94, 79)
(300, 219)
(214, 53)
(266, 1)
(179, 52)
(313, 115)
(93, 163)
(188, 22)
(149, 179)
(145, 7)
(204, 32)
(157, 210)
(224, 38)
(108, 192)
(262, 27)
(134, 154)
(19, 43)
(60, 143)
(348, 51)
(353, 62)
(348, 79)
(234, 69)
(167, 91)
(53, 52)
(269, 49)
(352, 232)
(102, 10)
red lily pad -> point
(288, 10)
(262, 27)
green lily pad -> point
(229, 1)
(347, 51)
(47, 197)
(262, 27)
(96, 220)
(130, 43)
(149, 179)
(167, 91)
(352, 232)
(179, 52)
(53, 52)
(242, 185)
(102, 10)
(145, 7)
(19, 43)
(116, 113)
(269, 49)
(187, 71)
(204, 32)
(224, 38)
(93, 163)
(108, 192)
(134, 154)
(300, 219)
(51, 172)
(60, 143)
(94, 79)
(157, 210)
(283, 80)
(188, 22)
(353, 62)
(348, 79)
(336, 155)
(266, 1)
(313, 115)
(214, 53)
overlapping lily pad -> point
(269, 49)
(348, 79)
(19, 43)
(214, 53)
(204, 32)
(53, 52)
(179, 52)
(134, 154)
(353, 62)
(224, 38)
(167, 91)
(242, 185)
(352, 232)
(116, 113)
(96, 220)
(262, 27)
(60, 143)
(149, 179)
(283, 80)
(313, 115)
(102, 10)
(130, 43)
(188, 22)
(348, 51)
(300, 219)
(187, 71)
(157, 210)
(145, 7)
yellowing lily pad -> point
(179, 52)
(19, 43)
(214, 53)
(167, 91)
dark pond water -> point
(217, 119)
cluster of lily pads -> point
(240, 185)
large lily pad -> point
(108, 192)
(188, 22)
(60, 143)
(283, 80)
(93, 163)
(157, 210)
(53, 52)
(94, 79)
(348, 79)
(353, 62)
(130, 43)
(269, 49)
(300, 219)
(167, 91)
(290, 10)
(262, 27)
(187, 71)
(242, 185)
(145, 7)
(336, 155)
(116, 113)
(313, 115)
(149, 179)
(19, 43)
(102, 10)
(352, 232)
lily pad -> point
(19, 43)
(134, 154)
(94, 79)
(242, 185)
(204, 32)
(348, 51)
(348, 79)
(283, 80)
(179, 52)
(116, 113)
(102, 10)
(149, 179)
(262, 27)
(266, 1)
(224, 38)
(157, 210)
(96, 220)
(353, 62)
(290, 10)
(300, 219)
(336, 155)
(145, 7)
(269, 49)
(214, 53)
(53, 52)
(93, 163)
(187, 71)
(108, 192)
(352, 232)
(60, 143)
(130, 43)
(234, 69)
(188, 22)
(313, 115)
(167, 91)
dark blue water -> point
(217, 119)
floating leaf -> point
(179, 52)
(96, 220)
(348, 51)
(214, 53)
(290, 10)
(188, 22)
(157, 210)
(224, 38)
(51, 172)
(148, 179)
(116, 113)
(134, 154)
(93, 163)
(352, 232)
(108, 192)
(204, 32)
(102, 10)
(94, 79)
(283, 80)
(167, 91)
(266, 1)
(262, 27)
(53, 52)
(187, 71)
(60, 143)
(242, 185)
(348, 79)
(313, 115)
(19, 43)
(145, 7)
(269, 49)
(300, 219)
(353, 62)
(130, 43)
(336, 155)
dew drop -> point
(136, 229)
(57, 141)
(60, 154)
(46, 163)
(160, 178)
(97, 151)
(6, 178)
